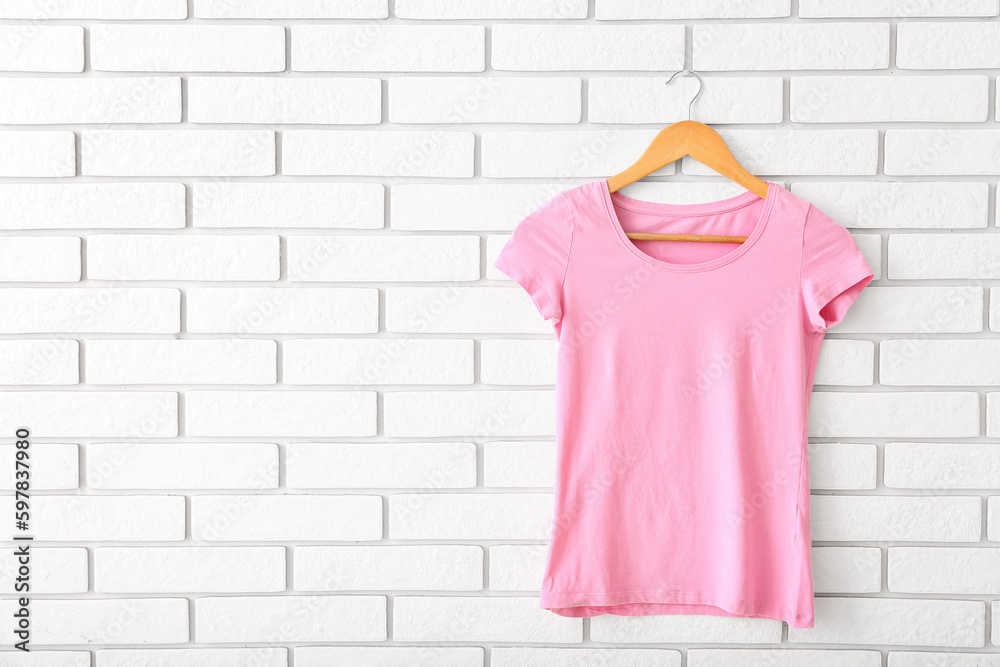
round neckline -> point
(701, 208)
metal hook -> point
(695, 75)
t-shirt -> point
(683, 377)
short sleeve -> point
(537, 253)
(833, 270)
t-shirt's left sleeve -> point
(537, 253)
(833, 270)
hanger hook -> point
(695, 75)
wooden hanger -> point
(688, 137)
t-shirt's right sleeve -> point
(833, 270)
(537, 253)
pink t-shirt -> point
(684, 372)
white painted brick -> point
(417, 414)
(462, 309)
(993, 520)
(926, 204)
(203, 361)
(992, 414)
(178, 152)
(151, 99)
(259, 656)
(929, 465)
(819, 152)
(39, 361)
(92, 310)
(27, 47)
(845, 362)
(646, 99)
(466, 207)
(378, 656)
(896, 518)
(276, 100)
(955, 570)
(37, 153)
(107, 621)
(291, 9)
(40, 259)
(941, 151)
(92, 205)
(399, 568)
(518, 361)
(266, 618)
(333, 465)
(282, 205)
(568, 657)
(900, 9)
(40, 658)
(842, 466)
(517, 567)
(902, 310)
(972, 256)
(119, 518)
(286, 517)
(486, 619)
(847, 569)
(385, 47)
(470, 516)
(94, 9)
(359, 361)
(183, 569)
(95, 414)
(53, 466)
(182, 257)
(921, 658)
(609, 10)
(923, 361)
(516, 463)
(947, 45)
(793, 46)
(264, 310)
(709, 657)
(894, 414)
(547, 46)
(695, 628)
(889, 99)
(885, 621)
(187, 48)
(383, 257)
(280, 412)
(499, 9)
(994, 309)
(437, 153)
(484, 99)
(176, 465)
(53, 570)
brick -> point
(923, 361)
(676, 629)
(608, 10)
(107, 620)
(501, 9)
(816, 152)
(462, 309)
(889, 99)
(61, 100)
(992, 414)
(108, 10)
(54, 466)
(930, 465)
(184, 569)
(941, 151)
(920, 658)
(390, 568)
(92, 205)
(200, 257)
(357, 361)
(437, 153)
(39, 361)
(287, 205)
(37, 153)
(286, 517)
(924, 414)
(847, 569)
(187, 48)
(947, 44)
(260, 656)
(280, 412)
(335, 465)
(790, 46)
(900, 9)
(40, 259)
(516, 463)
(517, 567)
(417, 414)
(516, 361)
(484, 99)
(265, 310)
(177, 465)
(845, 362)
(487, 619)
(30, 47)
(444, 656)
(546, 47)
(470, 516)
(178, 153)
(902, 310)
(842, 466)
(896, 518)
(383, 257)
(954, 570)
(290, 9)
(382, 47)
(970, 256)
(94, 518)
(93, 414)
(472, 207)
(993, 519)
(53, 569)
(187, 361)
(92, 309)
(275, 100)
(317, 618)
(707, 657)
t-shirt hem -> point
(641, 603)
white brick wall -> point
(280, 397)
